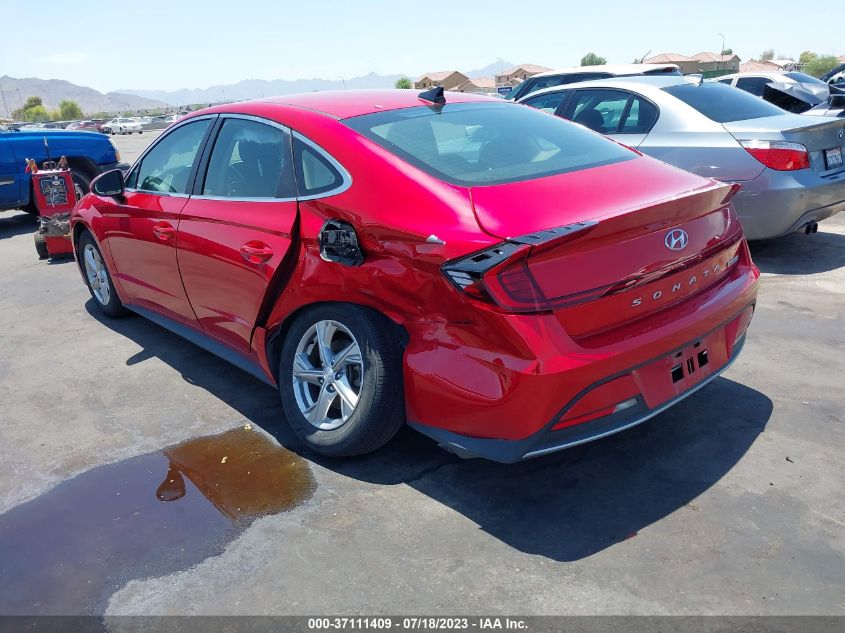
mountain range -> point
(15, 91)
(256, 88)
(53, 91)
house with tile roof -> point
(518, 74)
(448, 79)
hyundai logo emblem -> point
(676, 240)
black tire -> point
(380, 411)
(113, 307)
(82, 181)
(41, 246)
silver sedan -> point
(790, 167)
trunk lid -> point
(817, 134)
(627, 231)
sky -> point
(159, 45)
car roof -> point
(342, 104)
(762, 73)
(614, 69)
(637, 83)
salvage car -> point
(563, 76)
(88, 154)
(793, 91)
(790, 166)
(456, 261)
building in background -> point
(447, 79)
(518, 74)
(710, 62)
(479, 84)
(687, 65)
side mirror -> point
(109, 184)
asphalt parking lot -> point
(141, 475)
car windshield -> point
(722, 103)
(473, 144)
(804, 78)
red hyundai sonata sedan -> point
(509, 283)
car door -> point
(623, 116)
(235, 231)
(141, 234)
(10, 176)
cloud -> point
(67, 57)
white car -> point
(122, 125)
(575, 74)
(755, 82)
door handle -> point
(256, 252)
(164, 232)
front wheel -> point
(97, 277)
(340, 379)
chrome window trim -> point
(345, 177)
(140, 159)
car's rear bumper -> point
(780, 202)
(556, 435)
(499, 385)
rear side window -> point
(722, 103)
(547, 102)
(754, 85)
(612, 111)
(315, 173)
(167, 166)
(473, 144)
(250, 160)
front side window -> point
(721, 103)
(250, 160)
(473, 144)
(167, 166)
(547, 102)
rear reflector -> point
(625, 404)
(778, 155)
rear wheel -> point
(340, 379)
(97, 277)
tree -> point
(728, 51)
(403, 83)
(807, 56)
(591, 59)
(69, 110)
(820, 64)
(767, 54)
(33, 111)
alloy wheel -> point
(95, 271)
(328, 374)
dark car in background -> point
(562, 76)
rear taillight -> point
(499, 276)
(779, 155)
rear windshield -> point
(722, 103)
(804, 78)
(473, 144)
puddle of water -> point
(68, 550)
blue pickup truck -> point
(88, 153)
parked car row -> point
(789, 166)
(507, 282)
